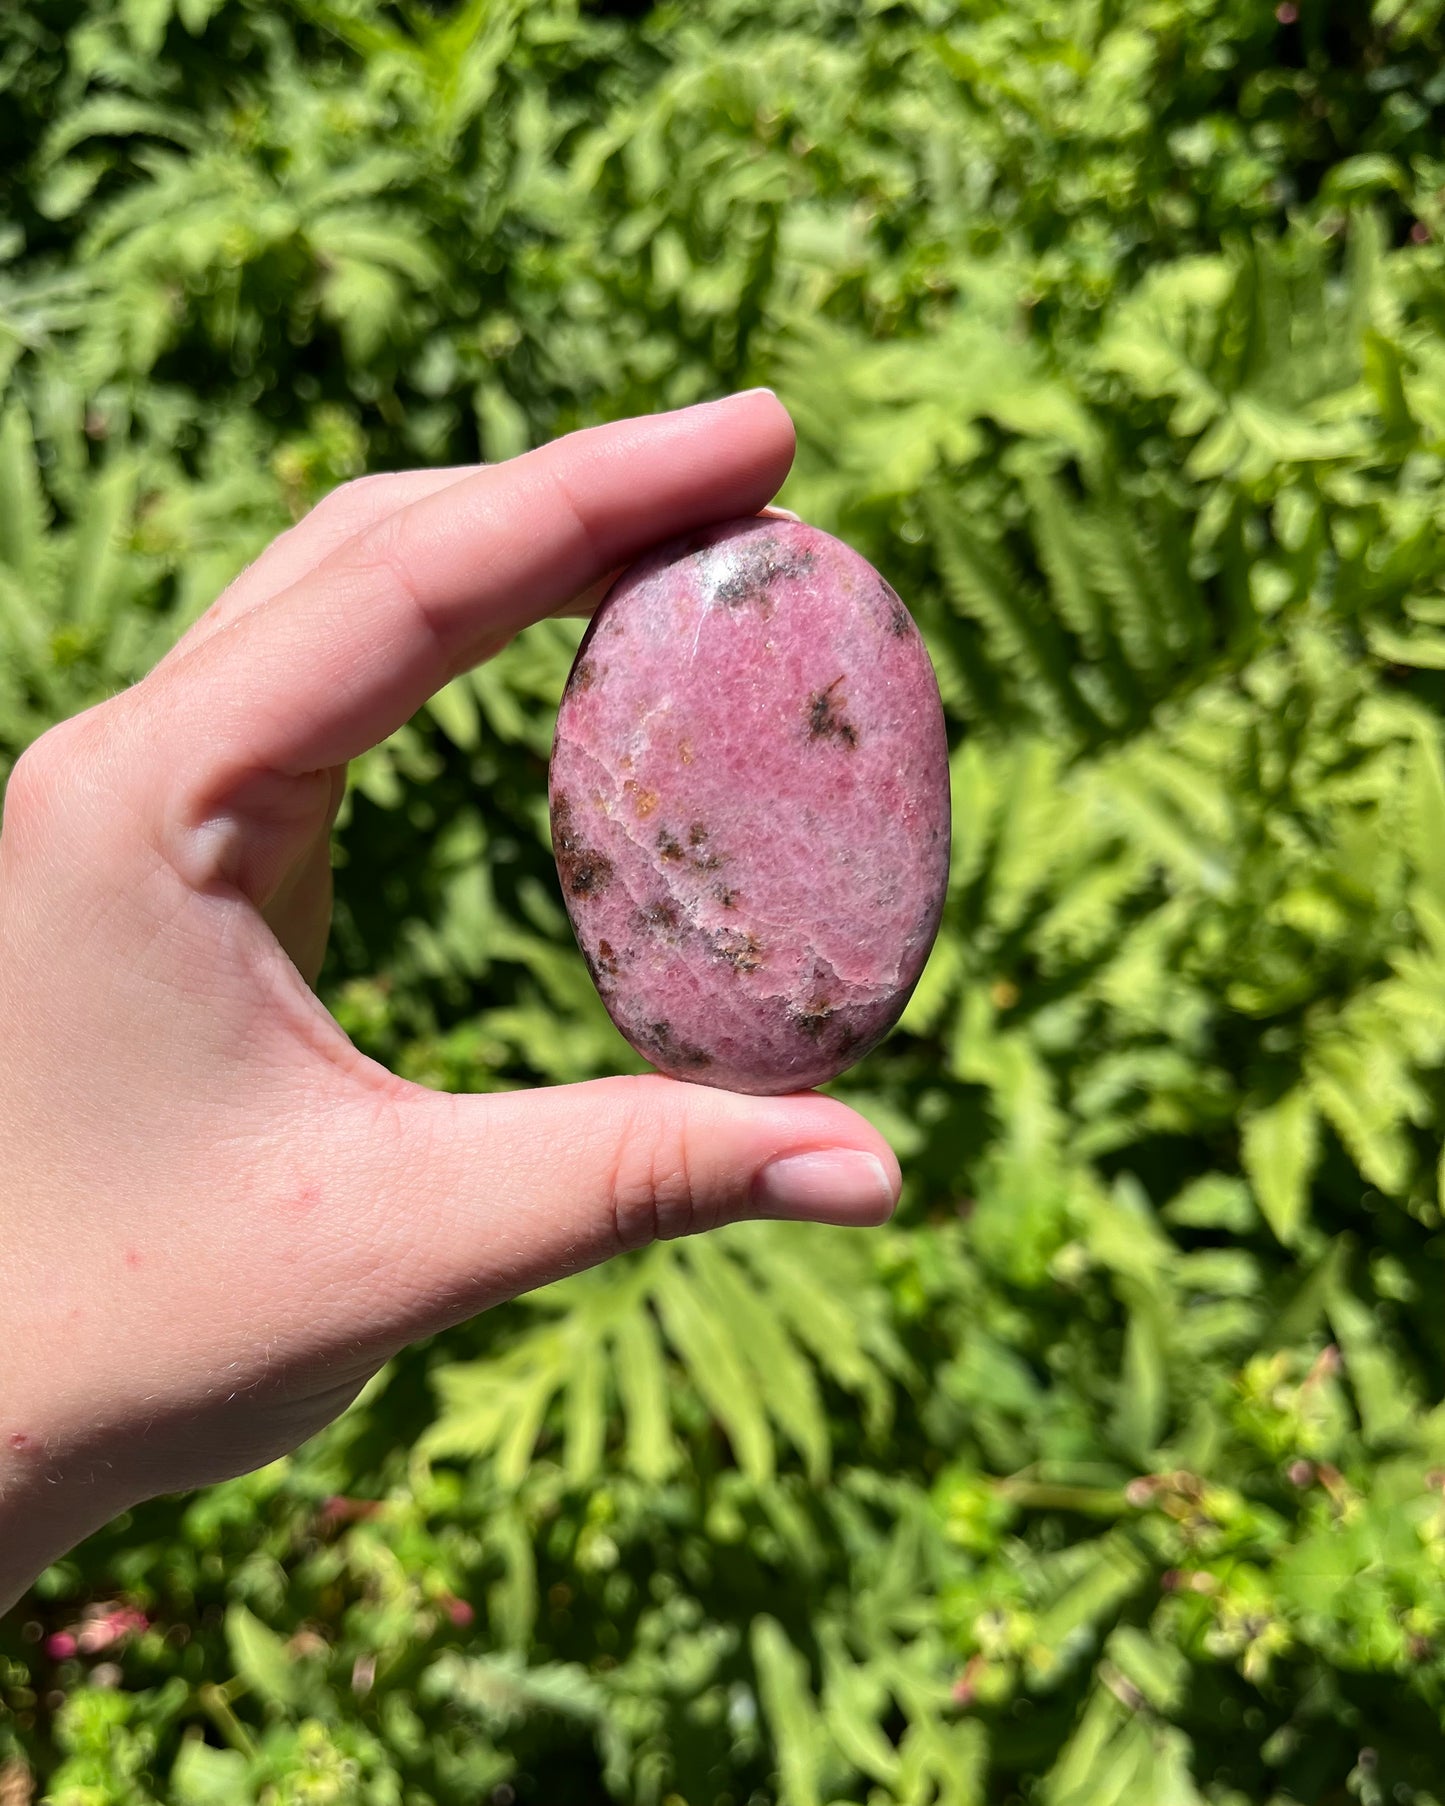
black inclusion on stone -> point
(583, 869)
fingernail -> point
(835, 1185)
(742, 394)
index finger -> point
(348, 653)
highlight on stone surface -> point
(750, 805)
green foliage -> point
(1111, 1474)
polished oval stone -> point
(750, 808)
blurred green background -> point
(1111, 1474)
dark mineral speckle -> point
(674, 1052)
(813, 1018)
(757, 564)
(826, 720)
(742, 951)
(582, 868)
(661, 917)
(701, 858)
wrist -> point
(49, 1502)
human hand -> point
(218, 1218)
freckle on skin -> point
(309, 1196)
(132, 1257)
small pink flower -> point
(61, 1646)
(460, 1613)
(965, 1688)
(340, 1510)
(108, 1626)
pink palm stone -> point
(750, 805)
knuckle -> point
(385, 552)
(67, 781)
(654, 1190)
(41, 779)
(349, 502)
(564, 502)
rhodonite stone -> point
(750, 806)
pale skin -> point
(219, 1218)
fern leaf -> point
(967, 683)
(984, 587)
(585, 1413)
(1361, 1082)
(1426, 833)
(936, 986)
(1115, 1569)
(502, 1691)
(513, 1598)
(117, 116)
(23, 513)
(854, 1701)
(1387, 1400)
(1032, 805)
(1062, 556)
(261, 1658)
(717, 1368)
(652, 1451)
(454, 709)
(1161, 542)
(787, 1703)
(822, 1317)
(946, 1762)
(96, 552)
(974, 783)
(1108, 539)
(1280, 1147)
(1143, 1405)
(26, 624)
(785, 1381)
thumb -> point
(489, 1196)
